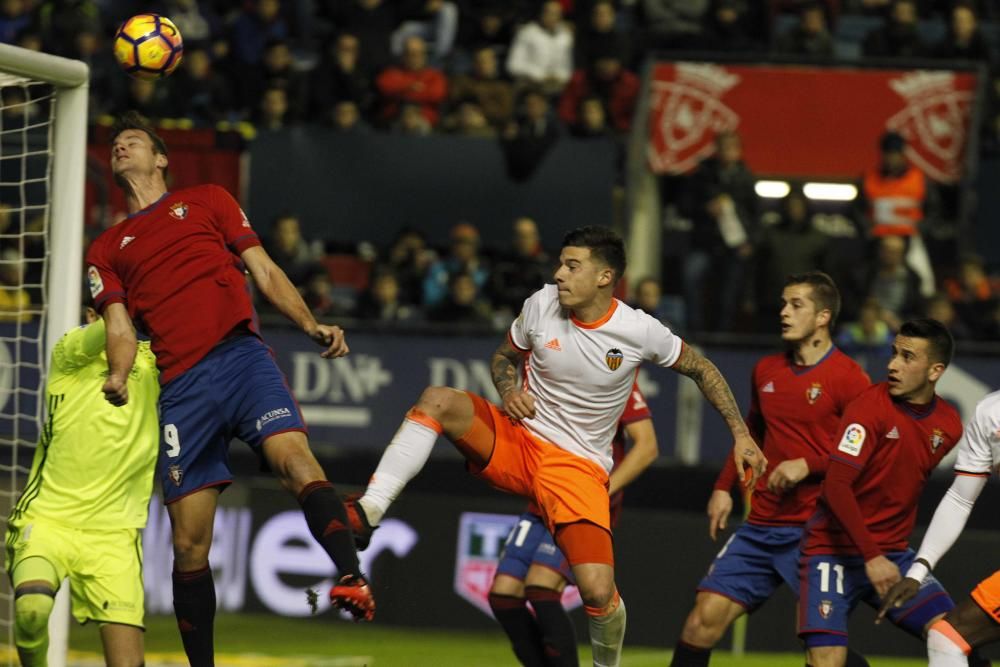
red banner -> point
(802, 121)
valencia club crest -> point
(614, 357)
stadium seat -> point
(347, 271)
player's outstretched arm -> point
(949, 520)
(643, 452)
(503, 367)
(120, 346)
(716, 390)
(279, 290)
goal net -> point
(43, 111)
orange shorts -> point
(566, 488)
(987, 595)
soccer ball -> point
(148, 46)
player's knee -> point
(190, 552)
(31, 619)
(436, 401)
(597, 592)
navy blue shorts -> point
(530, 542)
(236, 390)
(832, 586)
(753, 563)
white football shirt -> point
(980, 451)
(581, 374)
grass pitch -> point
(271, 641)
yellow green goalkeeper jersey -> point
(94, 464)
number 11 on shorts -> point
(824, 577)
(172, 439)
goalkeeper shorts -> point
(104, 567)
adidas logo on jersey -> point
(125, 241)
(894, 433)
(554, 345)
(767, 388)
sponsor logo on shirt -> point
(814, 392)
(937, 439)
(94, 278)
(179, 210)
(125, 241)
(893, 434)
(554, 345)
(854, 438)
(614, 357)
(273, 415)
(767, 388)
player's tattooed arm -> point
(750, 461)
(713, 386)
(503, 367)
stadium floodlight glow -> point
(830, 191)
(772, 189)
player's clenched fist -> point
(519, 404)
(331, 337)
(116, 390)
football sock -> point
(946, 647)
(194, 607)
(516, 620)
(558, 636)
(31, 626)
(607, 633)
(686, 655)
(328, 523)
(855, 659)
(402, 460)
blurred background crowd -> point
(525, 73)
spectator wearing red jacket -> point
(412, 82)
(606, 79)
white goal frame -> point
(70, 78)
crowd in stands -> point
(467, 67)
(524, 73)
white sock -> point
(606, 636)
(401, 461)
(943, 652)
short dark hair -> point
(133, 120)
(939, 341)
(604, 244)
(825, 294)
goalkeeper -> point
(85, 501)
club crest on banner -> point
(480, 541)
(934, 122)
(686, 113)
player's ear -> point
(936, 370)
(161, 161)
(605, 277)
(823, 317)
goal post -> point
(62, 280)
